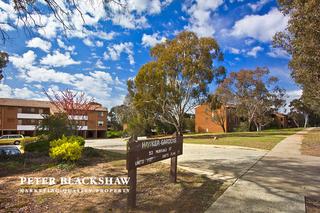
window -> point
(19, 122)
(32, 109)
(100, 114)
(40, 111)
(100, 123)
(19, 110)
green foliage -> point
(117, 116)
(242, 127)
(254, 94)
(176, 80)
(4, 59)
(114, 134)
(41, 145)
(67, 148)
(91, 152)
(301, 40)
(54, 126)
(139, 126)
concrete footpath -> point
(277, 183)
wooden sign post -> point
(144, 152)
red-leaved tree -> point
(75, 105)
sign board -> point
(140, 153)
(144, 152)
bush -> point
(91, 152)
(243, 127)
(39, 146)
(66, 151)
(114, 134)
(67, 148)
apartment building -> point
(204, 122)
(19, 116)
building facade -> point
(204, 122)
(19, 116)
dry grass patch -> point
(192, 193)
(311, 143)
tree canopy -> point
(177, 79)
(301, 39)
(253, 93)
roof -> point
(23, 103)
(34, 103)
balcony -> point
(29, 116)
(26, 127)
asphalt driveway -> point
(218, 162)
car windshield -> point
(9, 151)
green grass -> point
(266, 139)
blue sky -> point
(100, 54)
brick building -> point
(19, 116)
(204, 123)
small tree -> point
(297, 106)
(217, 110)
(4, 58)
(176, 81)
(254, 94)
(74, 104)
(54, 126)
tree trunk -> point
(223, 128)
(295, 122)
(306, 119)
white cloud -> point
(134, 15)
(7, 14)
(260, 27)
(201, 21)
(253, 52)
(39, 43)
(99, 43)
(114, 52)
(130, 21)
(149, 6)
(88, 42)
(41, 74)
(258, 6)
(234, 50)
(25, 93)
(24, 61)
(58, 59)
(278, 53)
(100, 65)
(152, 40)
(62, 45)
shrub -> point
(39, 146)
(66, 151)
(67, 148)
(114, 134)
(91, 152)
(243, 127)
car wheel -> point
(16, 143)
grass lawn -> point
(155, 193)
(311, 143)
(266, 139)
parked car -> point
(11, 139)
(9, 151)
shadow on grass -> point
(191, 193)
(33, 162)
